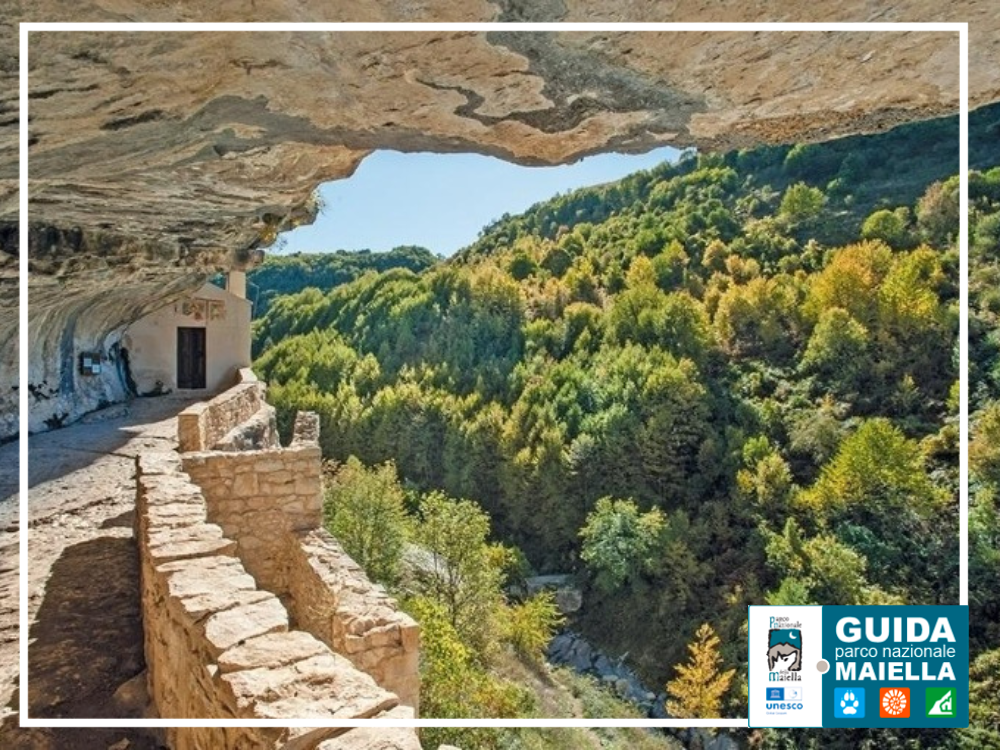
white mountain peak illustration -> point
(943, 705)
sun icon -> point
(894, 702)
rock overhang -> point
(161, 158)
(211, 140)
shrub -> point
(365, 510)
(531, 625)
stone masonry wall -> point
(250, 608)
(271, 503)
(258, 497)
(201, 426)
(332, 598)
(260, 431)
(218, 646)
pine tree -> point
(699, 686)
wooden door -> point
(191, 358)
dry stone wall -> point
(380, 738)
(217, 645)
(271, 502)
(332, 598)
(260, 431)
(258, 497)
(250, 608)
(204, 425)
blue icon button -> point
(849, 703)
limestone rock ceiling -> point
(157, 158)
(208, 141)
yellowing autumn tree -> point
(699, 686)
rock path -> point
(83, 606)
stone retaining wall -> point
(258, 497)
(252, 609)
(201, 426)
(332, 598)
(260, 431)
(218, 646)
(271, 503)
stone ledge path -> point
(86, 635)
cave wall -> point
(158, 159)
(84, 290)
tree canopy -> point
(723, 381)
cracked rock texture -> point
(157, 158)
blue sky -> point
(441, 201)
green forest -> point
(287, 274)
(984, 451)
(726, 381)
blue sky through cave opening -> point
(441, 201)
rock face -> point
(158, 158)
(565, 589)
(571, 650)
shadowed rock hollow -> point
(157, 158)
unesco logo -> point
(784, 699)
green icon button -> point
(940, 702)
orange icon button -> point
(894, 703)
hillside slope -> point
(742, 346)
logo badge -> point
(784, 650)
(940, 703)
(849, 703)
(793, 693)
(894, 703)
(775, 694)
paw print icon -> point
(849, 703)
